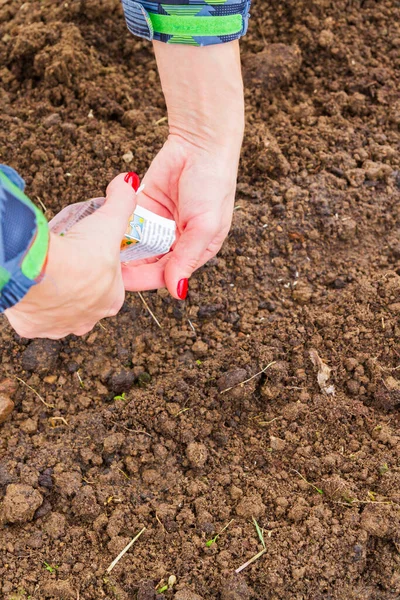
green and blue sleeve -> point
(24, 240)
(193, 22)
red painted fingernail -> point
(133, 180)
(182, 289)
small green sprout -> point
(80, 379)
(121, 397)
(168, 586)
(310, 484)
(383, 468)
(198, 362)
(260, 532)
(214, 539)
(49, 568)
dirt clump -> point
(20, 503)
(40, 356)
(6, 407)
(274, 67)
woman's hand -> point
(196, 188)
(193, 178)
(83, 279)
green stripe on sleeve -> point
(196, 26)
(33, 263)
(4, 277)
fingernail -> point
(133, 180)
(182, 289)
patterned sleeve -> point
(193, 22)
(24, 240)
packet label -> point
(147, 235)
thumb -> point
(120, 203)
(188, 254)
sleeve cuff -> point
(195, 22)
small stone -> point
(235, 492)
(8, 386)
(394, 308)
(235, 588)
(348, 229)
(55, 525)
(85, 506)
(199, 349)
(209, 311)
(127, 157)
(68, 483)
(353, 386)
(251, 506)
(375, 520)
(121, 381)
(29, 426)
(53, 119)
(276, 443)
(20, 503)
(150, 476)
(146, 591)
(186, 594)
(6, 407)
(43, 510)
(355, 177)
(133, 118)
(113, 442)
(351, 364)
(35, 540)
(45, 479)
(58, 590)
(278, 210)
(298, 573)
(40, 356)
(299, 510)
(197, 454)
(231, 379)
(326, 38)
(302, 293)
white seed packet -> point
(147, 234)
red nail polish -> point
(182, 289)
(133, 180)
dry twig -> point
(149, 310)
(35, 392)
(124, 551)
(250, 378)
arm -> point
(193, 178)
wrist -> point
(203, 90)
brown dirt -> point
(312, 262)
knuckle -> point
(192, 263)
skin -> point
(192, 180)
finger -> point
(145, 276)
(187, 255)
(118, 207)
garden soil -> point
(136, 426)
